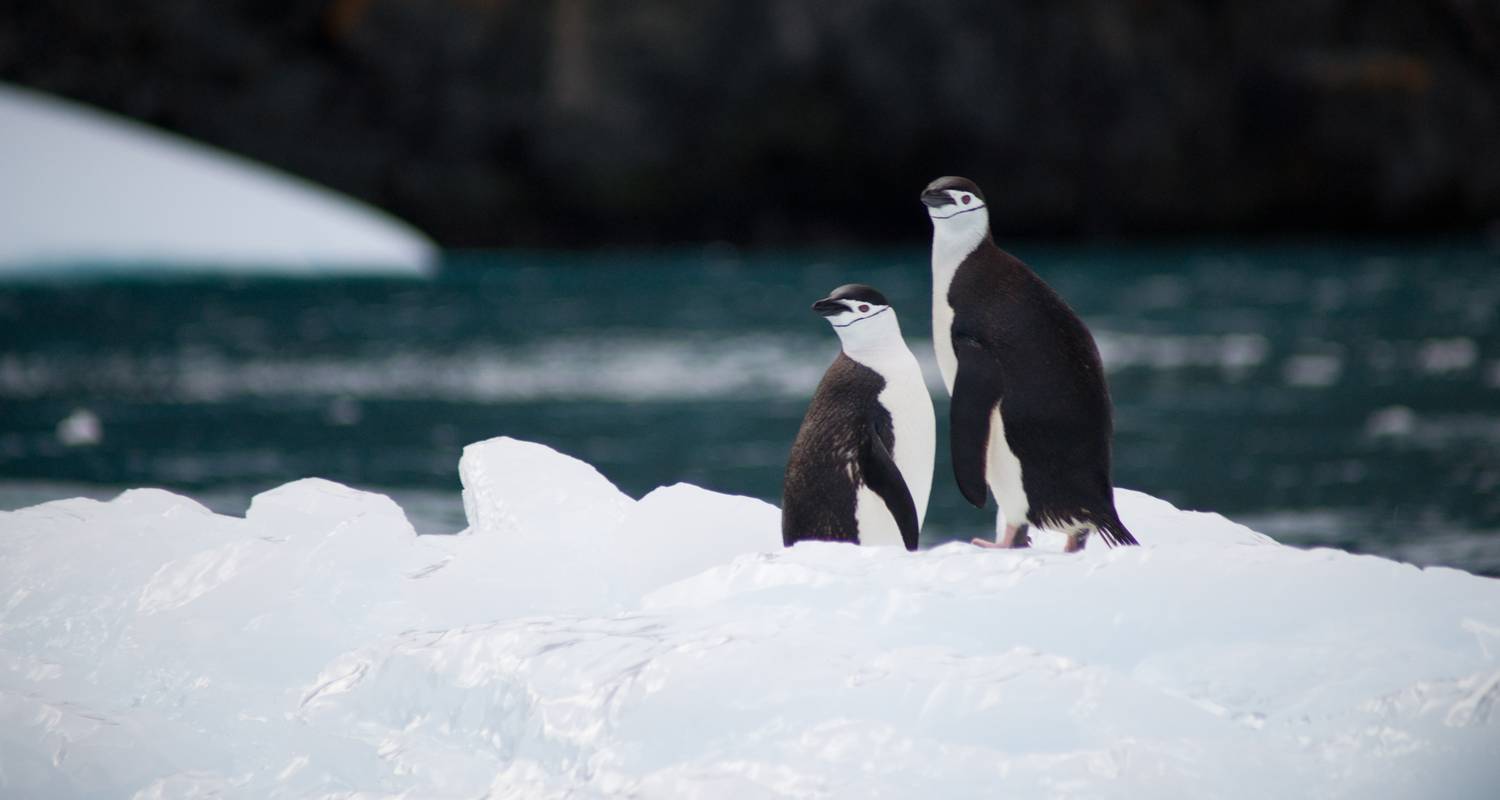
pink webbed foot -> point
(1016, 537)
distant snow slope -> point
(79, 186)
(577, 643)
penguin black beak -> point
(829, 307)
(936, 198)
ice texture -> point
(573, 642)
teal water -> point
(1336, 394)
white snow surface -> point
(79, 187)
(573, 642)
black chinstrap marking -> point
(861, 319)
(957, 213)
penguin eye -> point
(863, 308)
(966, 199)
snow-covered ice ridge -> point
(574, 642)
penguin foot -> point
(1017, 536)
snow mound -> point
(574, 642)
(82, 187)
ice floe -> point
(576, 642)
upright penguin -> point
(861, 466)
(1031, 415)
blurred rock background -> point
(589, 122)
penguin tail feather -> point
(1115, 533)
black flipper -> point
(976, 391)
(884, 479)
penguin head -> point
(851, 303)
(858, 312)
(955, 204)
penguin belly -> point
(876, 525)
(942, 342)
(914, 428)
(1003, 473)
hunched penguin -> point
(1030, 414)
(861, 466)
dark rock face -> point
(580, 122)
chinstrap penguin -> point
(861, 466)
(1031, 415)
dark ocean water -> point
(1328, 394)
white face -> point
(866, 329)
(957, 228)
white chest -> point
(914, 426)
(915, 429)
(952, 242)
(942, 337)
(1003, 474)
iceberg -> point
(80, 188)
(576, 642)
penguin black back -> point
(1056, 406)
(825, 471)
